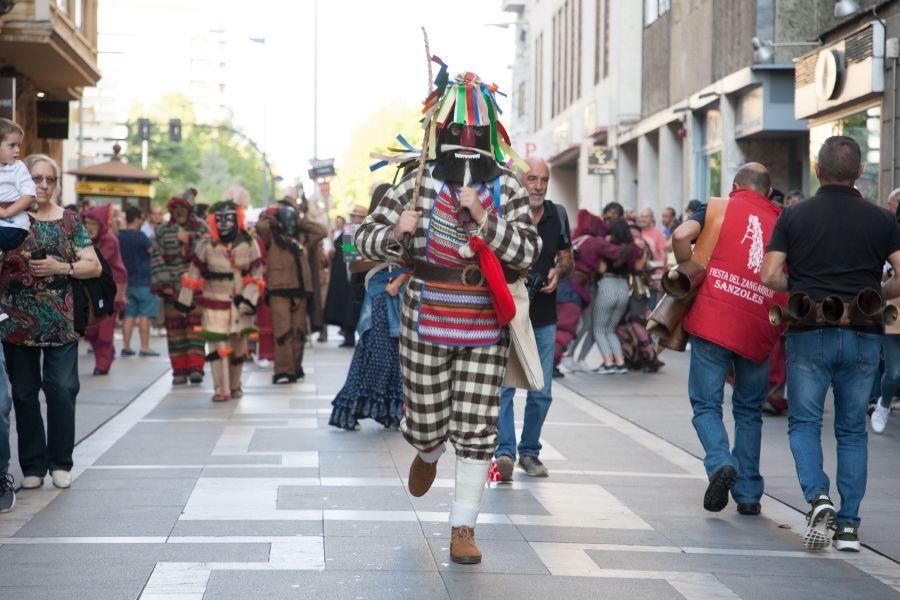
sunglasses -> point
(50, 180)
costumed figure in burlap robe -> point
(289, 282)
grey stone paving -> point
(259, 498)
(659, 403)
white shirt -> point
(15, 182)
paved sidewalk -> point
(659, 403)
(101, 397)
(176, 497)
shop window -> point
(62, 5)
(654, 9)
(864, 127)
(713, 174)
(78, 17)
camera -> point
(535, 282)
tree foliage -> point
(354, 180)
(207, 158)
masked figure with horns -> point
(289, 282)
(172, 250)
(225, 281)
(466, 230)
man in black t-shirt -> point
(835, 243)
(553, 265)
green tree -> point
(353, 181)
(207, 158)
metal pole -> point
(316, 79)
(893, 125)
(81, 131)
(265, 187)
(145, 151)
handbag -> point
(523, 368)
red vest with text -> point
(732, 305)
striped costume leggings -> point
(609, 307)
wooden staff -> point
(420, 170)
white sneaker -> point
(573, 366)
(61, 479)
(263, 363)
(880, 417)
(32, 482)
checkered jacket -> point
(513, 237)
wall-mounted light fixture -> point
(764, 50)
(845, 8)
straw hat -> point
(359, 211)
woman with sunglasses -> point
(36, 294)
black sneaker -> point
(7, 493)
(751, 509)
(716, 496)
(127, 352)
(533, 466)
(557, 374)
(819, 520)
(846, 538)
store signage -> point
(601, 160)
(829, 74)
(53, 120)
(8, 98)
(113, 188)
(321, 168)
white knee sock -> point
(432, 456)
(471, 476)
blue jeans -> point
(536, 406)
(5, 407)
(847, 361)
(53, 369)
(706, 388)
(890, 381)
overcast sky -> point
(371, 54)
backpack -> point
(93, 299)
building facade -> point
(658, 102)
(48, 55)
(847, 86)
(574, 88)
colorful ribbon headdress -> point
(466, 100)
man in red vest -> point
(729, 327)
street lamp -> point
(265, 187)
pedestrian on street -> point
(669, 219)
(454, 339)
(173, 249)
(842, 255)
(338, 301)
(553, 265)
(373, 389)
(142, 304)
(890, 380)
(729, 327)
(39, 338)
(7, 484)
(100, 336)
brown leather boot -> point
(421, 476)
(463, 550)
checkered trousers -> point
(450, 392)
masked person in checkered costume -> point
(468, 233)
